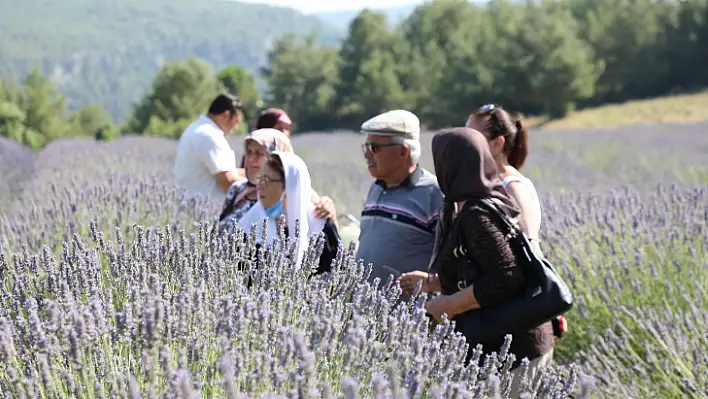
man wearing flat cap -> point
(402, 207)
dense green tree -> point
(45, 109)
(625, 35)
(237, 81)
(438, 32)
(301, 78)
(90, 119)
(180, 92)
(13, 117)
(554, 68)
(34, 113)
(369, 77)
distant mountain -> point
(394, 15)
(342, 19)
(108, 51)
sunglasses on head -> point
(486, 109)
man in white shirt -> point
(205, 163)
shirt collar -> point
(410, 181)
(206, 119)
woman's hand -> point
(325, 209)
(439, 305)
(409, 282)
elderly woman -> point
(241, 196)
(284, 189)
(272, 118)
(475, 267)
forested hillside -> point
(449, 56)
(108, 51)
(342, 19)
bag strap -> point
(492, 207)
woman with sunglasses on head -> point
(284, 189)
(508, 139)
(242, 195)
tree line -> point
(539, 57)
(35, 113)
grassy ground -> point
(673, 109)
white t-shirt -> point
(203, 152)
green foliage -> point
(181, 92)
(107, 52)
(450, 56)
(35, 113)
(237, 81)
(91, 119)
(369, 77)
(301, 78)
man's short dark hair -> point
(225, 102)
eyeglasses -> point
(263, 180)
(375, 147)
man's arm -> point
(219, 158)
(225, 179)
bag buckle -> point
(459, 250)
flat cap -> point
(398, 122)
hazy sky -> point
(309, 6)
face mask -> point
(275, 211)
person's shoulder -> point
(207, 135)
(427, 180)
(516, 182)
(517, 178)
(473, 210)
(427, 177)
(429, 183)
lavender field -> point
(112, 285)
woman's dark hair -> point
(520, 148)
(511, 126)
(271, 117)
(276, 164)
(267, 121)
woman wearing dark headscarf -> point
(474, 240)
(508, 139)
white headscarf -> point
(299, 208)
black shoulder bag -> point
(545, 296)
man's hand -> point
(325, 209)
(240, 174)
(409, 282)
(225, 179)
(439, 305)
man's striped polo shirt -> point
(398, 224)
